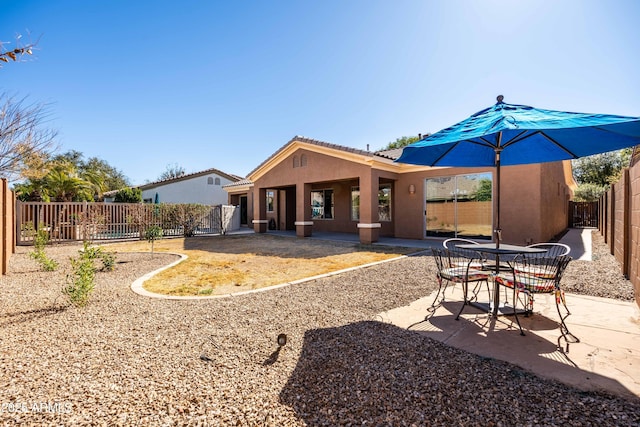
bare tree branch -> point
(22, 135)
(15, 54)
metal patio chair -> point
(553, 249)
(531, 275)
(459, 266)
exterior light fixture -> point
(412, 189)
(282, 340)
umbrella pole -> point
(498, 230)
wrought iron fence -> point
(583, 214)
(70, 221)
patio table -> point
(494, 249)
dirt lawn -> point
(220, 265)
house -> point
(205, 187)
(309, 185)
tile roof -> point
(390, 154)
(318, 143)
(243, 181)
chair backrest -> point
(543, 273)
(455, 241)
(457, 258)
(553, 249)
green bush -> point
(81, 282)
(185, 216)
(589, 192)
(128, 195)
(40, 240)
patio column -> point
(260, 211)
(369, 227)
(304, 224)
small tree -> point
(172, 171)
(151, 234)
(402, 142)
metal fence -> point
(115, 221)
(583, 214)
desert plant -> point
(40, 240)
(151, 234)
(108, 260)
(81, 282)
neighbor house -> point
(205, 187)
(313, 186)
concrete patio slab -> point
(606, 358)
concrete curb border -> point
(136, 286)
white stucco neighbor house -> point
(205, 187)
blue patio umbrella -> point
(508, 134)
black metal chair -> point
(553, 249)
(531, 275)
(459, 266)
(453, 242)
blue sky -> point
(213, 84)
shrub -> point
(40, 240)
(186, 216)
(128, 195)
(81, 281)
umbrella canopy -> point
(508, 134)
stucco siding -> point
(533, 197)
(194, 190)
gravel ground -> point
(129, 360)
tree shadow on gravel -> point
(29, 315)
(375, 373)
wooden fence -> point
(114, 221)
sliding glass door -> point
(459, 206)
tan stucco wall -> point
(532, 209)
(325, 172)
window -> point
(322, 204)
(270, 200)
(217, 181)
(355, 203)
(384, 202)
(209, 181)
(296, 162)
(459, 206)
(303, 160)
